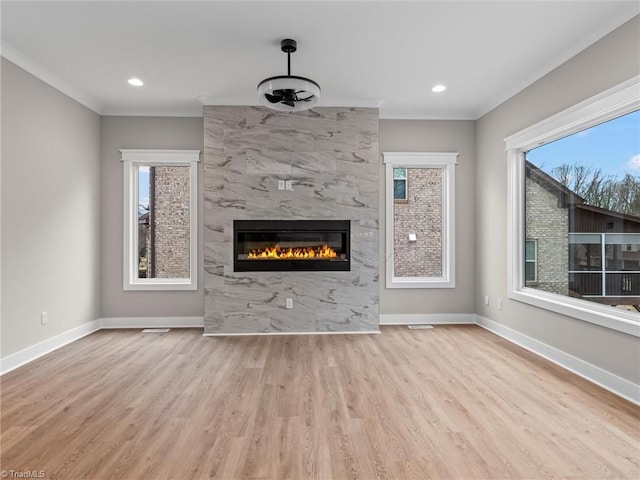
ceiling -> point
(377, 53)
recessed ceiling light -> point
(439, 88)
(136, 82)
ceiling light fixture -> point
(439, 88)
(136, 82)
(288, 93)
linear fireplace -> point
(291, 245)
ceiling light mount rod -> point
(288, 46)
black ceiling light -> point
(288, 93)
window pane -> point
(621, 259)
(585, 256)
(530, 272)
(143, 220)
(399, 189)
(585, 238)
(163, 222)
(530, 250)
(399, 173)
(581, 192)
(623, 239)
(421, 216)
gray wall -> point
(395, 135)
(153, 133)
(50, 211)
(610, 61)
(331, 155)
(435, 136)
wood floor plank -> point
(448, 402)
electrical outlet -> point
(289, 185)
(499, 304)
(486, 299)
(44, 318)
(280, 184)
(288, 303)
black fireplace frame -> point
(248, 226)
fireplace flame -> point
(297, 253)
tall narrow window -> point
(530, 262)
(420, 229)
(400, 184)
(160, 219)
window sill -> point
(416, 282)
(162, 285)
(601, 315)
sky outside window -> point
(613, 147)
(143, 188)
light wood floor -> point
(452, 402)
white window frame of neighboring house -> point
(447, 162)
(613, 103)
(534, 261)
(132, 159)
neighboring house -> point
(576, 249)
(144, 239)
(163, 230)
(418, 222)
(547, 228)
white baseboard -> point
(364, 332)
(152, 322)
(433, 319)
(29, 354)
(594, 374)
(607, 380)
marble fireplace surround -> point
(331, 156)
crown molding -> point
(399, 116)
(253, 102)
(132, 111)
(39, 71)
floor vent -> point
(155, 330)
(421, 326)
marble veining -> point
(331, 155)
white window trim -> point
(614, 102)
(131, 159)
(447, 161)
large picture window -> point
(420, 228)
(160, 219)
(575, 189)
